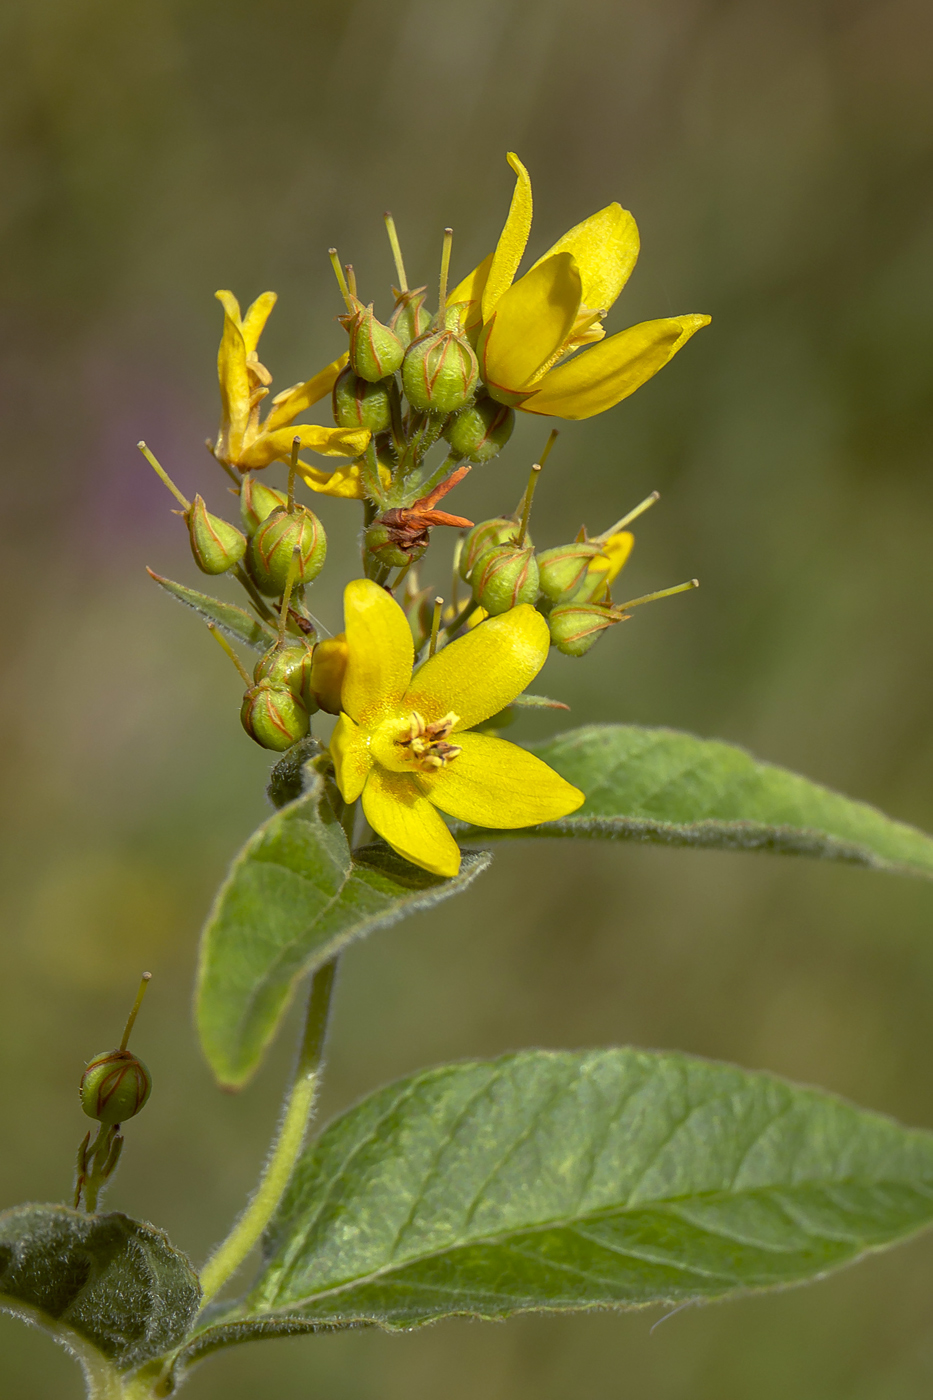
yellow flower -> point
(401, 740)
(245, 443)
(526, 329)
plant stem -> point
(229, 1255)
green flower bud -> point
(482, 537)
(480, 431)
(439, 373)
(505, 576)
(216, 546)
(291, 666)
(375, 351)
(114, 1087)
(358, 403)
(381, 543)
(270, 549)
(409, 320)
(563, 570)
(273, 715)
(575, 627)
(257, 502)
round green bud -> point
(409, 320)
(505, 576)
(482, 537)
(480, 431)
(257, 502)
(381, 543)
(291, 666)
(575, 627)
(273, 715)
(358, 403)
(270, 549)
(439, 373)
(563, 570)
(375, 351)
(215, 544)
(114, 1087)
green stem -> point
(246, 1233)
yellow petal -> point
(479, 674)
(255, 319)
(494, 783)
(380, 651)
(329, 442)
(328, 668)
(512, 240)
(470, 290)
(234, 380)
(531, 324)
(599, 378)
(352, 762)
(618, 547)
(404, 817)
(605, 248)
(287, 406)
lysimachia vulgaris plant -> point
(544, 1180)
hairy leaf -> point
(114, 1282)
(557, 1181)
(663, 786)
(236, 622)
(294, 898)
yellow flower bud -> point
(327, 671)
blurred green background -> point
(777, 155)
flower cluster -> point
(413, 681)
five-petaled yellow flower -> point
(526, 329)
(245, 443)
(401, 740)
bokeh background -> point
(777, 155)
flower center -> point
(401, 745)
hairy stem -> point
(229, 1255)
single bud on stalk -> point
(216, 545)
(271, 548)
(375, 351)
(273, 715)
(114, 1087)
(328, 668)
(410, 320)
(439, 373)
(480, 431)
(290, 666)
(359, 403)
(499, 530)
(575, 627)
(563, 570)
(257, 502)
(505, 576)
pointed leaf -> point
(236, 622)
(563, 1181)
(103, 1280)
(294, 898)
(664, 786)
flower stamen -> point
(426, 743)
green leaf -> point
(105, 1280)
(663, 786)
(236, 622)
(294, 898)
(527, 701)
(559, 1181)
